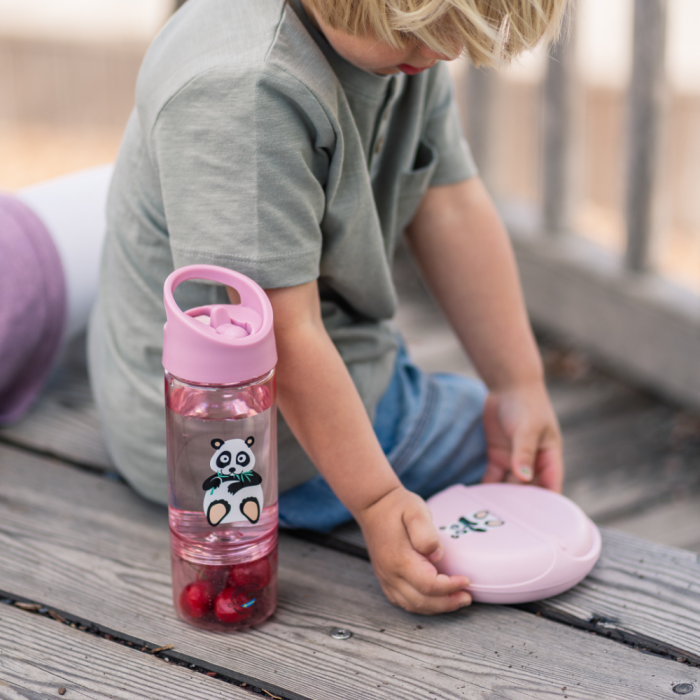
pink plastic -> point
(201, 351)
(222, 454)
(516, 543)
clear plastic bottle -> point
(222, 455)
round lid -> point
(512, 536)
(220, 343)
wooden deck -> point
(86, 572)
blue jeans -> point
(430, 428)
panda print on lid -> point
(234, 492)
(478, 522)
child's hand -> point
(523, 438)
(402, 543)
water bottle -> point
(219, 363)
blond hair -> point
(490, 32)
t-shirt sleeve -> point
(241, 161)
(443, 131)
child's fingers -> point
(426, 605)
(550, 468)
(422, 532)
(525, 445)
(433, 595)
(422, 576)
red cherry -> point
(235, 604)
(216, 575)
(197, 598)
(258, 572)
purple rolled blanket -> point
(32, 307)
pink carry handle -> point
(220, 343)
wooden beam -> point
(645, 112)
(642, 327)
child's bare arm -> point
(322, 407)
(464, 252)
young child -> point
(294, 142)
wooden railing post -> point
(558, 137)
(481, 92)
(646, 99)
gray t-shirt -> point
(255, 146)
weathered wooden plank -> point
(576, 402)
(40, 656)
(646, 101)
(645, 594)
(434, 347)
(89, 547)
(643, 328)
(615, 443)
(623, 464)
(63, 422)
(675, 523)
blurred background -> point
(68, 67)
(602, 46)
(67, 76)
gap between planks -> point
(96, 535)
(41, 656)
(636, 594)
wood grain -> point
(643, 593)
(617, 444)
(63, 422)
(646, 594)
(90, 548)
(39, 656)
(628, 463)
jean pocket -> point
(414, 183)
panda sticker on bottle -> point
(234, 492)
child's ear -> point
(216, 443)
(249, 441)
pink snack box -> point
(516, 543)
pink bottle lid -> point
(515, 543)
(219, 343)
